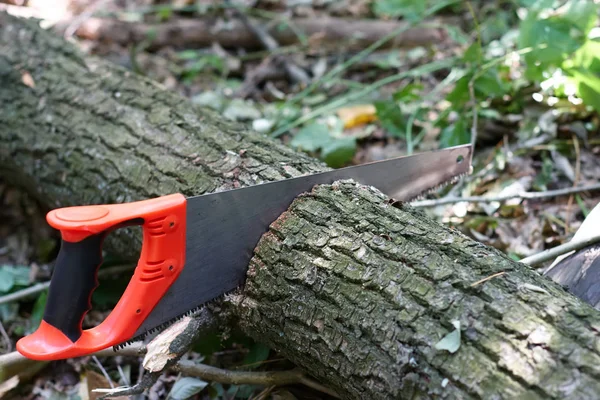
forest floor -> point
(349, 81)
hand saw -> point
(193, 250)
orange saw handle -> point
(83, 229)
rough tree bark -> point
(352, 289)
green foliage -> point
(256, 355)
(561, 46)
(38, 311)
(196, 62)
(556, 54)
(552, 49)
(12, 278)
(335, 148)
(409, 9)
(412, 10)
(455, 134)
(390, 112)
(164, 12)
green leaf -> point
(164, 13)
(199, 63)
(490, 84)
(391, 118)
(587, 57)
(311, 137)
(8, 312)
(20, 274)
(582, 14)
(187, 55)
(536, 4)
(455, 134)
(11, 276)
(459, 96)
(187, 387)
(412, 10)
(552, 40)
(456, 34)
(7, 280)
(450, 342)
(584, 209)
(474, 53)
(216, 390)
(241, 391)
(256, 354)
(335, 150)
(408, 93)
(339, 152)
(38, 311)
(588, 87)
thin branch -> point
(473, 99)
(99, 364)
(206, 372)
(40, 287)
(5, 337)
(268, 378)
(475, 112)
(489, 199)
(554, 252)
(575, 181)
(122, 375)
(487, 278)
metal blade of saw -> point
(223, 228)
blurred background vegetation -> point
(518, 78)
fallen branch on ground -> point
(554, 252)
(165, 351)
(490, 199)
(203, 32)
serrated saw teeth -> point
(437, 188)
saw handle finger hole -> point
(63, 332)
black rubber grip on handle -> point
(74, 279)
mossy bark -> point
(354, 290)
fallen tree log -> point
(354, 290)
(203, 32)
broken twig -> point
(487, 278)
(554, 252)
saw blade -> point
(223, 228)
